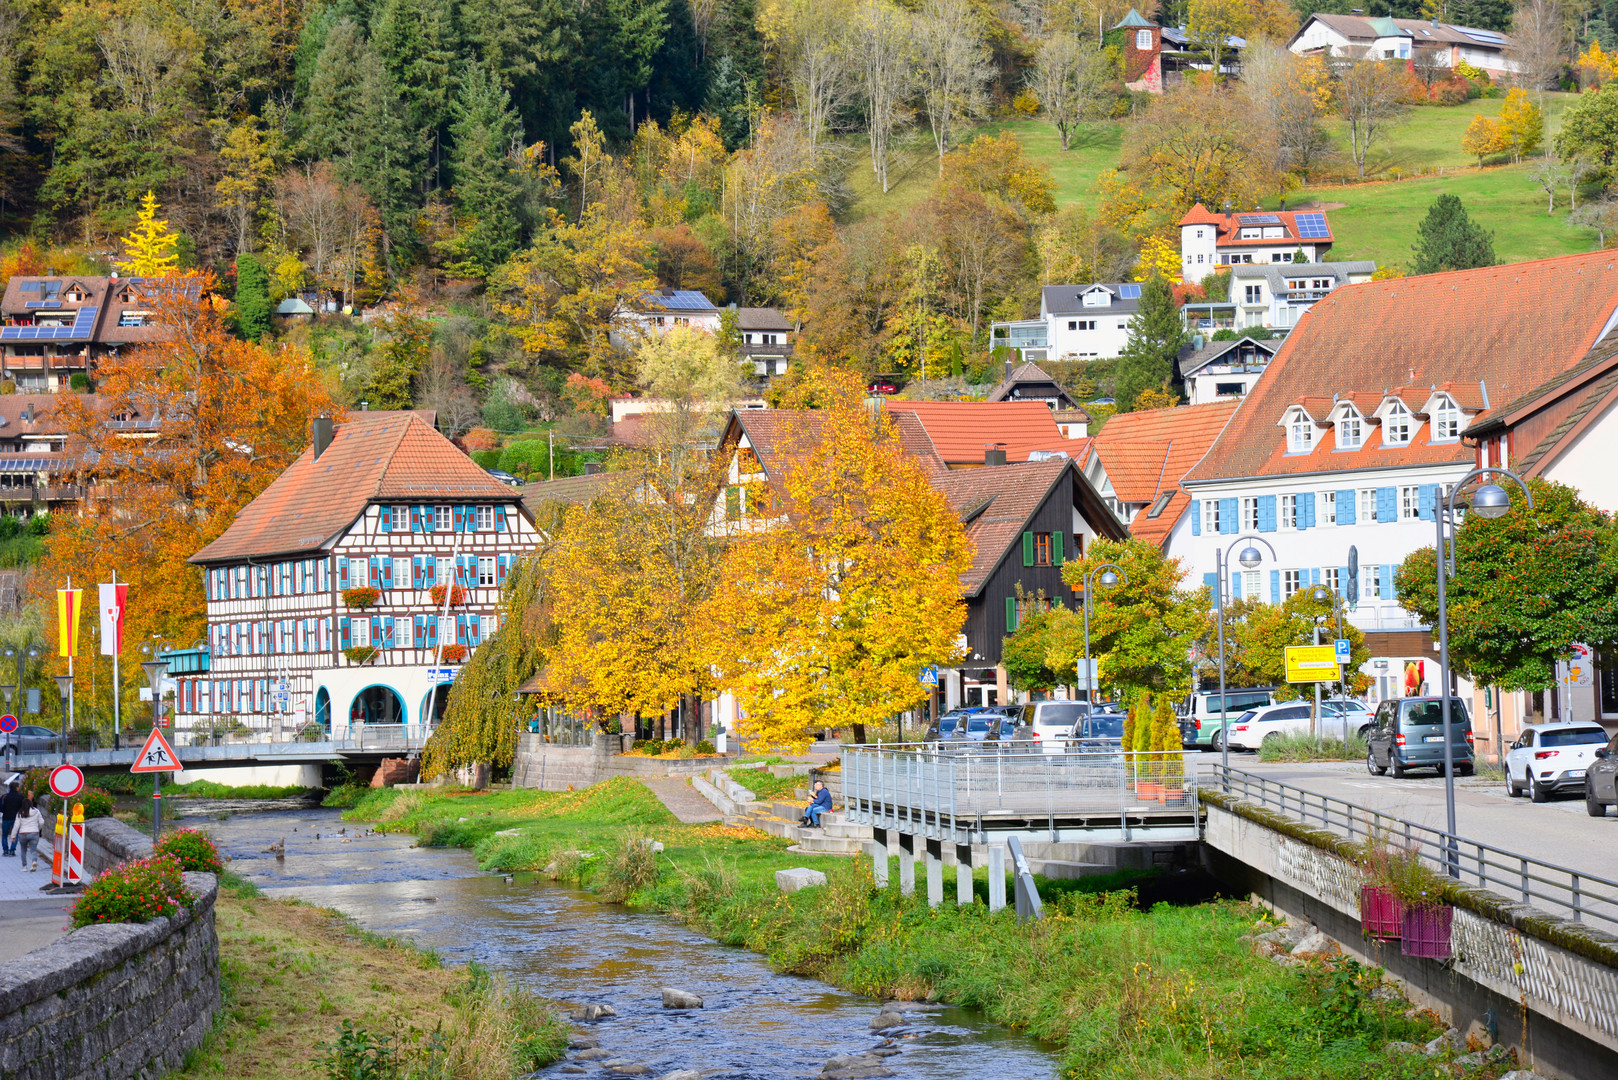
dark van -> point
(1408, 733)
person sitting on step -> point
(817, 805)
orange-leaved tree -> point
(184, 431)
(827, 612)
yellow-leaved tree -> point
(149, 248)
(827, 613)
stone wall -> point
(113, 1002)
(548, 767)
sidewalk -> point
(29, 919)
(683, 802)
(17, 884)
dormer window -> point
(1300, 433)
(1350, 431)
(1396, 425)
(1446, 421)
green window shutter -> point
(1058, 548)
(1028, 549)
(1011, 611)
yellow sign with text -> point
(1311, 663)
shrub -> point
(1302, 746)
(135, 892)
(344, 796)
(96, 803)
(632, 869)
(194, 851)
(706, 747)
(362, 596)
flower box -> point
(360, 654)
(362, 596)
(1381, 913)
(452, 654)
(456, 596)
(1147, 789)
(1425, 931)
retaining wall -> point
(543, 765)
(113, 1002)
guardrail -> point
(383, 737)
(951, 789)
(1558, 890)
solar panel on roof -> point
(1258, 219)
(1312, 226)
(1129, 292)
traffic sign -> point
(66, 781)
(1344, 653)
(8, 723)
(929, 676)
(156, 756)
(439, 676)
(1311, 663)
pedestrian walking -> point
(26, 832)
(11, 805)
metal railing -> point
(948, 789)
(1557, 890)
(383, 737)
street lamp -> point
(1111, 575)
(154, 677)
(1249, 557)
(64, 683)
(1489, 501)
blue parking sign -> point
(1344, 653)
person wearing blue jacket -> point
(817, 805)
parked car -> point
(1360, 716)
(1250, 731)
(944, 726)
(1601, 780)
(1099, 731)
(1200, 723)
(883, 386)
(975, 726)
(1053, 722)
(505, 477)
(30, 739)
(1010, 728)
(1548, 758)
(1408, 734)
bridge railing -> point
(1555, 889)
(383, 737)
(936, 789)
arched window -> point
(1446, 421)
(1300, 433)
(1350, 431)
(1396, 425)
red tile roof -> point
(373, 457)
(962, 430)
(1229, 226)
(1146, 453)
(1508, 328)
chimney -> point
(591, 468)
(1196, 341)
(1009, 365)
(995, 455)
(320, 432)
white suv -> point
(1547, 758)
(1249, 730)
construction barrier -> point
(75, 846)
(57, 848)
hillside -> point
(1372, 220)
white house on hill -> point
(1076, 322)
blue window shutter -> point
(1387, 504)
(1275, 586)
(432, 631)
(460, 630)
(384, 517)
(499, 519)
(1011, 612)
(376, 630)
(1236, 585)
(1266, 513)
(1392, 590)
(387, 631)
(342, 631)
(502, 564)
(1196, 517)
(342, 572)
(1306, 510)
(1428, 501)
(374, 571)
(1314, 576)
(415, 519)
(415, 571)
(1210, 581)
(1345, 507)
(428, 519)
(430, 568)
(1227, 516)
(387, 572)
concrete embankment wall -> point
(113, 1002)
(1513, 974)
(548, 767)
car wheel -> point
(1468, 770)
(1592, 805)
(1535, 792)
(1270, 740)
(1398, 769)
(1512, 790)
(1217, 742)
(1372, 767)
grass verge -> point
(304, 987)
(1124, 993)
(1302, 746)
(766, 785)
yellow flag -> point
(68, 609)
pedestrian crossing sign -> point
(156, 756)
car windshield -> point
(1431, 713)
(1107, 727)
(1577, 737)
(947, 723)
(979, 722)
(1246, 716)
(1061, 714)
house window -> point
(1350, 432)
(1331, 577)
(1210, 516)
(1250, 585)
(1042, 549)
(443, 521)
(485, 519)
(1072, 324)
(1289, 511)
(1373, 582)
(1367, 508)
(1300, 434)
(1326, 508)
(485, 570)
(361, 632)
(1250, 513)
(1252, 294)
(446, 630)
(1409, 503)
(1290, 582)
(487, 625)
(1446, 422)
(401, 573)
(445, 572)
(1396, 426)
(1143, 42)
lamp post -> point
(64, 683)
(1249, 557)
(1111, 575)
(154, 677)
(1489, 501)
(1320, 595)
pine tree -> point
(1155, 336)
(149, 249)
(486, 188)
(252, 297)
(1450, 240)
(330, 126)
(387, 155)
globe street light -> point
(1249, 557)
(1112, 573)
(64, 683)
(1489, 501)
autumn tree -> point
(1371, 100)
(684, 261)
(1288, 96)
(810, 37)
(1075, 247)
(952, 65)
(1211, 23)
(1072, 81)
(686, 368)
(1483, 137)
(149, 250)
(1541, 42)
(880, 48)
(406, 339)
(1590, 128)
(249, 164)
(1196, 144)
(1039, 640)
(834, 610)
(1265, 631)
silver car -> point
(29, 739)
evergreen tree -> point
(418, 44)
(330, 127)
(485, 130)
(1155, 336)
(387, 155)
(252, 297)
(1450, 240)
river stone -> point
(680, 999)
(629, 1070)
(886, 1051)
(799, 877)
(594, 1053)
(574, 1069)
(863, 1071)
(1399, 1046)
(681, 1074)
(593, 1011)
(582, 1042)
(886, 1020)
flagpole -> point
(117, 686)
(73, 627)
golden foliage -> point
(1601, 65)
(149, 248)
(1159, 256)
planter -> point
(1425, 931)
(1173, 794)
(1148, 789)
(1381, 913)
(361, 597)
(456, 596)
(360, 654)
(452, 654)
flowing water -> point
(755, 1024)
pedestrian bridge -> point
(362, 743)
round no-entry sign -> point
(8, 723)
(67, 781)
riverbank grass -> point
(304, 987)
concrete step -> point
(1062, 868)
(805, 849)
(828, 845)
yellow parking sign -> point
(1311, 663)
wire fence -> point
(1557, 890)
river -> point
(755, 1024)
